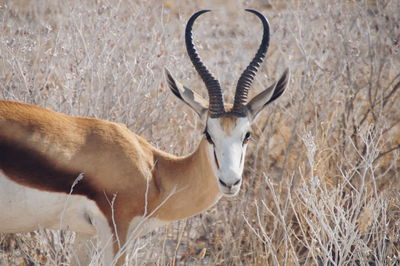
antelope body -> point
(96, 177)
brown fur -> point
(46, 150)
(228, 123)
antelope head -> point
(228, 127)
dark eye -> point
(209, 139)
(247, 137)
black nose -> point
(230, 185)
(223, 183)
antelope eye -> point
(247, 137)
(209, 139)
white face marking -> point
(228, 135)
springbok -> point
(96, 177)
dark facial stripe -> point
(31, 168)
(216, 160)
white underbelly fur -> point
(24, 209)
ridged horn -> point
(247, 77)
(216, 104)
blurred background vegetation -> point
(321, 185)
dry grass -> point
(322, 177)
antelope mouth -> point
(229, 192)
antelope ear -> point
(268, 95)
(195, 101)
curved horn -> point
(216, 105)
(246, 79)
